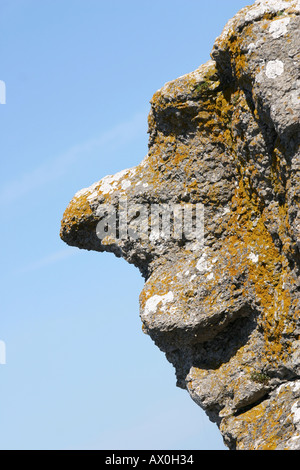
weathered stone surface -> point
(225, 313)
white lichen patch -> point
(107, 185)
(274, 68)
(253, 257)
(202, 265)
(251, 47)
(92, 196)
(254, 45)
(261, 7)
(125, 184)
(226, 210)
(152, 303)
(110, 183)
(196, 245)
(85, 191)
(295, 95)
(278, 28)
(296, 387)
(296, 413)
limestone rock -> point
(223, 304)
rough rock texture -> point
(225, 313)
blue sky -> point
(79, 74)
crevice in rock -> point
(249, 407)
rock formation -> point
(223, 306)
